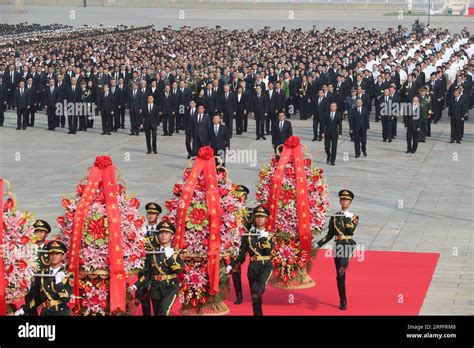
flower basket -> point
(207, 214)
(94, 250)
(296, 194)
(18, 251)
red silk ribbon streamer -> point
(207, 166)
(3, 299)
(104, 171)
(117, 270)
(295, 153)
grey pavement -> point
(226, 18)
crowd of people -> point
(207, 81)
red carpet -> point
(379, 283)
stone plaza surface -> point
(226, 18)
(421, 202)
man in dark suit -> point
(74, 99)
(134, 109)
(413, 125)
(321, 110)
(21, 103)
(242, 101)
(122, 100)
(150, 122)
(281, 131)
(3, 100)
(200, 127)
(115, 93)
(184, 96)
(331, 131)
(32, 94)
(62, 98)
(396, 100)
(359, 126)
(220, 138)
(259, 109)
(107, 110)
(456, 112)
(51, 95)
(168, 111)
(189, 115)
(272, 100)
(386, 115)
(228, 107)
(435, 87)
(210, 100)
(12, 80)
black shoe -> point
(24, 128)
(137, 134)
(18, 128)
(188, 156)
(357, 156)
(258, 138)
(264, 138)
(333, 164)
(108, 133)
(70, 132)
(131, 134)
(115, 130)
(412, 151)
(155, 152)
(458, 141)
(389, 140)
(238, 300)
(343, 305)
(365, 153)
(123, 127)
(428, 135)
(385, 140)
(314, 138)
(103, 133)
(320, 138)
(423, 141)
(435, 122)
(148, 152)
(407, 151)
(170, 134)
(327, 160)
(165, 135)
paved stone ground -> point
(232, 19)
(421, 202)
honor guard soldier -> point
(160, 272)
(42, 228)
(52, 287)
(342, 226)
(243, 192)
(153, 210)
(259, 245)
(426, 110)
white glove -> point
(59, 277)
(263, 234)
(348, 214)
(169, 251)
(228, 269)
(20, 312)
(131, 288)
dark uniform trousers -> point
(54, 297)
(260, 268)
(160, 274)
(237, 280)
(42, 262)
(342, 228)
